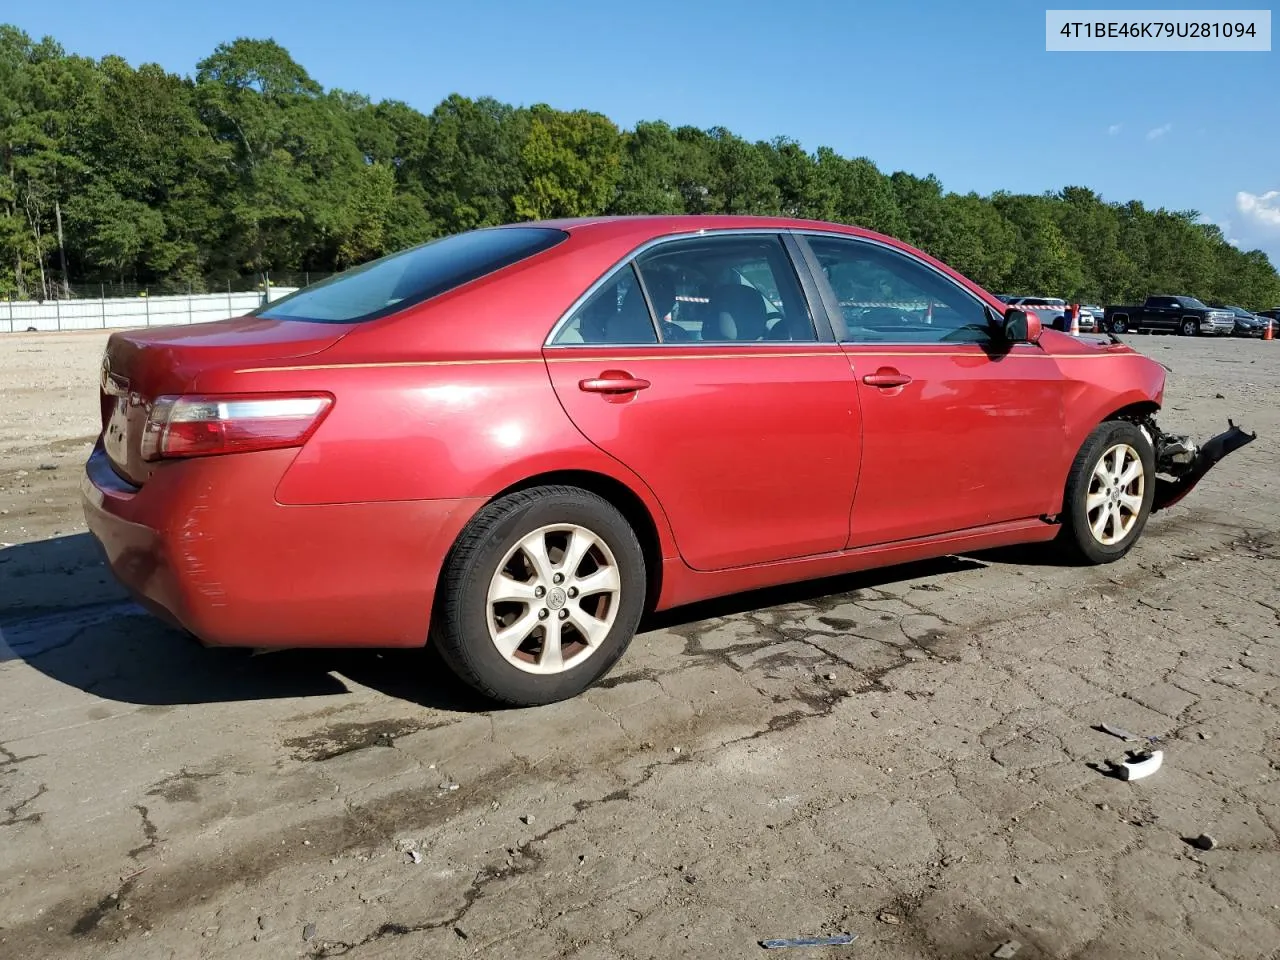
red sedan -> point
(516, 441)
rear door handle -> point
(613, 381)
(886, 378)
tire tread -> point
(460, 568)
(1078, 543)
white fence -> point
(17, 316)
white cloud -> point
(1155, 133)
(1114, 129)
(1262, 210)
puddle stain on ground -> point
(181, 787)
(340, 738)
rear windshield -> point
(411, 276)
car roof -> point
(651, 226)
(634, 230)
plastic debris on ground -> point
(1138, 765)
(835, 941)
(1007, 950)
(1125, 735)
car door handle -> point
(886, 378)
(613, 381)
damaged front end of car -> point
(1181, 463)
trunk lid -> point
(140, 365)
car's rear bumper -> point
(206, 545)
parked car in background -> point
(1274, 316)
(1166, 314)
(1097, 313)
(1247, 324)
(512, 443)
(1052, 312)
(1048, 309)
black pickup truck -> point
(1184, 315)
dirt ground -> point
(904, 755)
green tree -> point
(111, 172)
(741, 180)
(475, 168)
(648, 178)
(570, 163)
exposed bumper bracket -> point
(1184, 464)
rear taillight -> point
(206, 426)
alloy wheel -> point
(1114, 501)
(553, 599)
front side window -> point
(411, 276)
(888, 297)
(726, 289)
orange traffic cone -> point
(1266, 331)
(1075, 319)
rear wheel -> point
(540, 596)
(1189, 327)
(1109, 493)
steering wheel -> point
(674, 332)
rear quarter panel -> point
(448, 400)
(434, 430)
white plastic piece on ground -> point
(1137, 769)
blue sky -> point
(964, 90)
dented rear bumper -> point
(1181, 463)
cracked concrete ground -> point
(908, 755)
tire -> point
(466, 625)
(1189, 326)
(1098, 455)
(1118, 325)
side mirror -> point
(1021, 326)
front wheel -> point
(1109, 492)
(540, 596)
(1189, 327)
(1118, 325)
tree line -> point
(111, 173)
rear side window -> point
(411, 276)
(616, 313)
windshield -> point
(1192, 302)
(411, 276)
